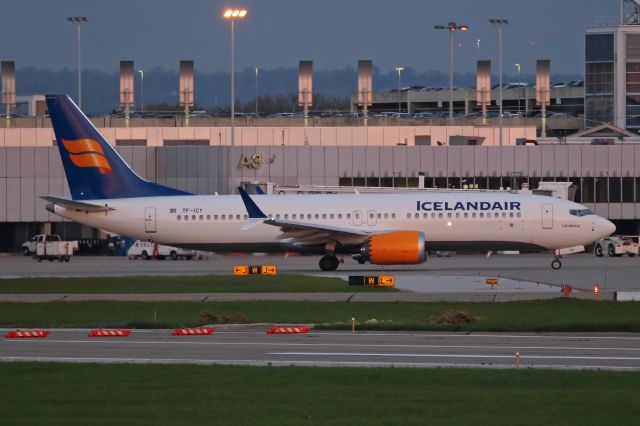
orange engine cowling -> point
(395, 248)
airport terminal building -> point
(201, 161)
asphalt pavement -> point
(335, 349)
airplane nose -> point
(607, 227)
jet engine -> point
(395, 248)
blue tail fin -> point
(94, 169)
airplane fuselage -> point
(450, 220)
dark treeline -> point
(267, 104)
(276, 88)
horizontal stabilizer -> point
(77, 205)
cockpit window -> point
(580, 213)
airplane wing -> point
(303, 232)
(77, 205)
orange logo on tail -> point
(87, 153)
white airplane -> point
(383, 229)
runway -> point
(335, 349)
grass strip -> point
(525, 316)
(81, 394)
(182, 284)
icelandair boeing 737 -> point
(383, 229)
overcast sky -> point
(279, 33)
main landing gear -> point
(556, 264)
(329, 263)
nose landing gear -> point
(556, 264)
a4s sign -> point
(251, 161)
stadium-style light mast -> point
(452, 27)
(78, 20)
(233, 15)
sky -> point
(278, 33)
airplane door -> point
(371, 218)
(547, 216)
(150, 219)
(357, 217)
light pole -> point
(399, 71)
(257, 72)
(233, 15)
(78, 20)
(451, 26)
(499, 22)
(478, 49)
(141, 90)
(519, 92)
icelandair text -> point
(429, 206)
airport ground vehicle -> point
(51, 247)
(29, 247)
(382, 229)
(147, 249)
(617, 245)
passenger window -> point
(425, 215)
(473, 215)
(278, 216)
(417, 215)
(408, 215)
(193, 217)
(179, 217)
(237, 217)
(293, 216)
(208, 217)
(466, 215)
(308, 215)
(386, 215)
(348, 215)
(324, 215)
(504, 214)
(286, 216)
(201, 217)
(481, 214)
(510, 214)
(457, 215)
(496, 215)
(317, 216)
(440, 215)
(449, 215)
(393, 215)
(215, 217)
(223, 217)
(186, 217)
(331, 216)
(433, 215)
(519, 214)
(339, 215)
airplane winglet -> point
(252, 209)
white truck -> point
(51, 247)
(617, 245)
(148, 249)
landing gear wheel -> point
(329, 263)
(611, 251)
(556, 264)
(25, 251)
(361, 261)
(598, 250)
(173, 255)
(144, 255)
